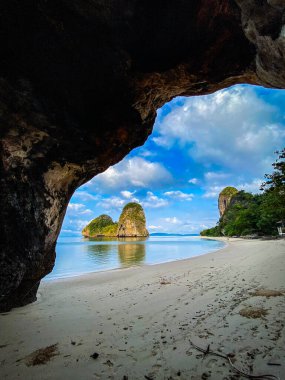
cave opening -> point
(80, 85)
(199, 146)
(80, 102)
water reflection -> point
(99, 253)
(131, 254)
(130, 239)
(77, 256)
(129, 251)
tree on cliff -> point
(248, 214)
(276, 180)
(273, 204)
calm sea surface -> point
(76, 255)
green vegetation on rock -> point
(103, 225)
(254, 214)
(225, 198)
(132, 221)
(229, 191)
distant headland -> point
(132, 223)
(251, 215)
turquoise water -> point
(76, 255)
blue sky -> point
(198, 146)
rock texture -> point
(80, 83)
(225, 197)
(103, 225)
(132, 221)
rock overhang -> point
(80, 85)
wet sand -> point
(139, 322)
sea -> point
(76, 255)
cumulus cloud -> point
(153, 201)
(150, 200)
(112, 203)
(129, 195)
(74, 226)
(78, 208)
(85, 196)
(233, 128)
(213, 191)
(193, 181)
(216, 176)
(152, 227)
(251, 187)
(179, 195)
(172, 220)
(132, 172)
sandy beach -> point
(137, 323)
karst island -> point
(132, 223)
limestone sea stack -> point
(132, 222)
(225, 198)
(103, 225)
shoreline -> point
(140, 321)
(226, 242)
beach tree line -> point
(257, 214)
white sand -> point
(140, 327)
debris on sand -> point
(267, 293)
(164, 281)
(94, 356)
(42, 356)
(253, 312)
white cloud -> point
(153, 201)
(78, 208)
(149, 201)
(233, 128)
(112, 202)
(85, 196)
(132, 172)
(193, 181)
(251, 187)
(213, 191)
(154, 227)
(76, 224)
(215, 176)
(147, 153)
(67, 231)
(177, 194)
(172, 220)
(129, 195)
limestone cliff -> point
(103, 225)
(225, 197)
(132, 221)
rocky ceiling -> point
(80, 83)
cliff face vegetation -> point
(254, 214)
(132, 221)
(80, 85)
(103, 225)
